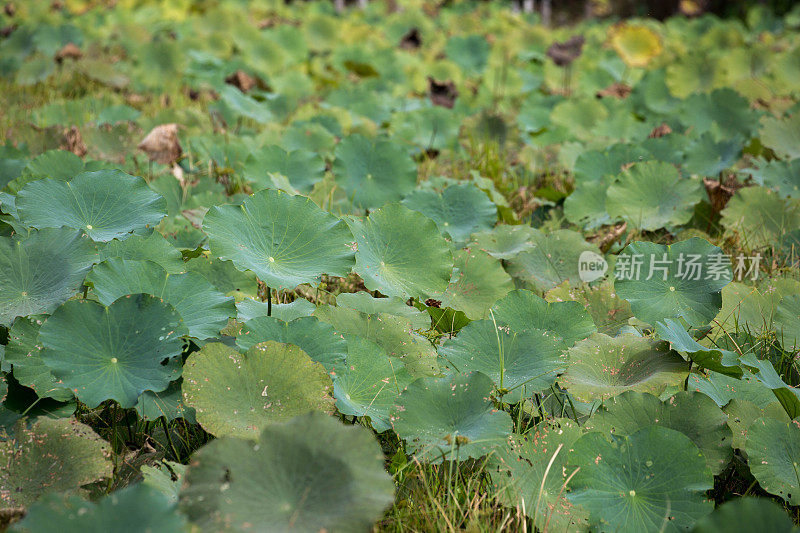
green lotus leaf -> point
(685, 280)
(113, 352)
(478, 281)
(746, 514)
(57, 164)
(692, 413)
(720, 111)
(373, 172)
(773, 451)
(167, 403)
(782, 135)
(586, 206)
(370, 383)
(428, 128)
(653, 195)
(313, 474)
(22, 352)
(136, 508)
(470, 52)
(166, 477)
(750, 309)
(553, 259)
(523, 310)
(652, 480)
(239, 394)
(531, 472)
(760, 218)
(105, 204)
(401, 253)
(302, 168)
(765, 373)
(204, 309)
(394, 334)
(722, 389)
(250, 308)
(52, 455)
(787, 322)
(602, 367)
(450, 417)
(518, 363)
(41, 271)
(317, 339)
(224, 276)
(742, 414)
(459, 211)
(504, 241)
(153, 247)
(718, 360)
(609, 312)
(784, 176)
(579, 117)
(363, 302)
(285, 240)
(706, 157)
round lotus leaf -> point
(782, 135)
(136, 508)
(153, 247)
(773, 451)
(747, 514)
(652, 480)
(692, 413)
(742, 414)
(394, 334)
(609, 312)
(478, 281)
(518, 363)
(450, 417)
(224, 276)
(553, 259)
(373, 172)
(636, 45)
(531, 472)
(723, 361)
(652, 195)
(22, 352)
(685, 280)
(586, 206)
(250, 308)
(104, 204)
(113, 352)
(722, 389)
(303, 168)
(427, 128)
(315, 338)
(285, 240)
(470, 52)
(523, 310)
(601, 367)
(459, 211)
(760, 218)
(365, 303)
(783, 176)
(369, 383)
(240, 394)
(401, 253)
(41, 271)
(309, 474)
(204, 309)
(52, 455)
(166, 477)
(707, 157)
(504, 241)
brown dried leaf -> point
(68, 51)
(411, 40)
(442, 93)
(615, 90)
(660, 131)
(242, 81)
(73, 142)
(564, 53)
(161, 144)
